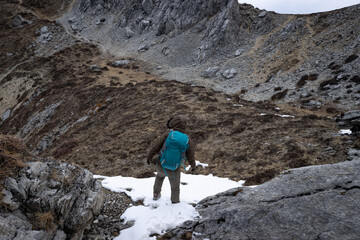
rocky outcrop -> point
(316, 202)
(49, 200)
(350, 119)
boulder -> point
(67, 196)
(210, 72)
(20, 22)
(129, 33)
(143, 48)
(147, 6)
(229, 73)
(315, 202)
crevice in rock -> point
(311, 193)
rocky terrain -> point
(42, 199)
(307, 203)
(309, 60)
(92, 84)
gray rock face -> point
(39, 119)
(66, 193)
(316, 202)
(350, 119)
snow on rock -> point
(155, 217)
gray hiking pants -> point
(174, 178)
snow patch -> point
(156, 217)
(345, 131)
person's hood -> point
(178, 123)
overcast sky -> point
(300, 6)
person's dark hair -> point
(168, 123)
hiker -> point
(172, 156)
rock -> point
(95, 68)
(38, 120)
(239, 52)
(350, 115)
(143, 48)
(210, 72)
(12, 224)
(20, 22)
(262, 14)
(48, 188)
(229, 73)
(166, 51)
(45, 38)
(144, 24)
(16, 190)
(353, 154)
(74, 27)
(72, 20)
(6, 115)
(44, 30)
(120, 63)
(129, 33)
(100, 21)
(60, 235)
(147, 6)
(9, 201)
(315, 202)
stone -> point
(44, 29)
(120, 63)
(60, 235)
(314, 202)
(353, 154)
(144, 24)
(262, 14)
(129, 33)
(31, 235)
(238, 52)
(18, 191)
(350, 115)
(20, 22)
(9, 200)
(72, 20)
(76, 198)
(166, 51)
(229, 73)
(210, 72)
(143, 48)
(6, 115)
(95, 68)
(147, 6)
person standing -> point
(174, 148)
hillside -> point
(93, 83)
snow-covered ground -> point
(155, 217)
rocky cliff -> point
(311, 60)
(43, 199)
(317, 202)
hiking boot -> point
(156, 196)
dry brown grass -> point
(13, 155)
(44, 220)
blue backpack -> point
(173, 151)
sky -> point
(300, 6)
